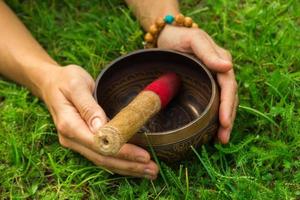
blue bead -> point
(169, 19)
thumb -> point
(89, 110)
(206, 51)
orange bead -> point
(194, 25)
(149, 37)
(179, 19)
(188, 22)
(153, 29)
(160, 23)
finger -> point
(72, 126)
(224, 54)
(228, 103)
(88, 108)
(205, 50)
(228, 92)
(148, 170)
(133, 153)
(69, 122)
(236, 103)
(224, 133)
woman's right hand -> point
(77, 116)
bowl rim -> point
(203, 116)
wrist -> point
(161, 25)
(173, 11)
(39, 77)
(148, 11)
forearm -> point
(22, 59)
(147, 11)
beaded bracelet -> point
(154, 30)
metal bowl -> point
(190, 119)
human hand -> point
(217, 59)
(77, 116)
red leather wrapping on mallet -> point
(165, 87)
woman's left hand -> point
(217, 59)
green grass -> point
(262, 160)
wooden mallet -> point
(131, 118)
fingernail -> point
(141, 159)
(227, 137)
(149, 172)
(149, 177)
(227, 62)
(224, 60)
(96, 124)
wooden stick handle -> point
(127, 122)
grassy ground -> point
(262, 160)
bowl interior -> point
(124, 78)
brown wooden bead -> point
(149, 45)
(160, 23)
(149, 37)
(179, 19)
(188, 22)
(194, 25)
(153, 29)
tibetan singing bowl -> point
(190, 119)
